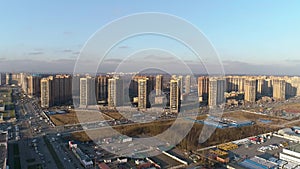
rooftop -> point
(295, 148)
(3, 136)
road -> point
(27, 112)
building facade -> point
(250, 90)
(175, 95)
(115, 92)
(279, 89)
(158, 85)
(216, 92)
(87, 91)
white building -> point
(175, 95)
(291, 154)
(115, 92)
(87, 91)
(216, 92)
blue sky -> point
(249, 32)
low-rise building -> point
(291, 154)
(83, 158)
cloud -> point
(67, 33)
(238, 67)
(111, 61)
(36, 53)
(67, 51)
(158, 58)
(293, 60)
(123, 47)
(30, 65)
(76, 53)
(38, 49)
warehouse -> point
(258, 163)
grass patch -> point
(9, 114)
(10, 106)
(17, 163)
(31, 160)
(35, 166)
(16, 149)
(53, 153)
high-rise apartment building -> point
(295, 83)
(102, 89)
(187, 84)
(203, 85)
(8, 78)
(235, 83)
(87, 91)
(216, 92)
(23, 82)
(34, 85)
(158, 85)
(250, 90)
(62, 89)
(180, 83)
(175, 95)
(47, 94)
(279, 89)
(115, 92)
(56, 91)
(2, 78)
(143, 94)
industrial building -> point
(290, 133)
(258, 163)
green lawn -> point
(30, 160)
(17, 163)
(35, 166)
(9, 113)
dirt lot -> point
(77, 117)
(115, 115)
(190, 142)
(290, 107)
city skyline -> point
(260, 42)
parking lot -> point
(251, 150)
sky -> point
(250, 37)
